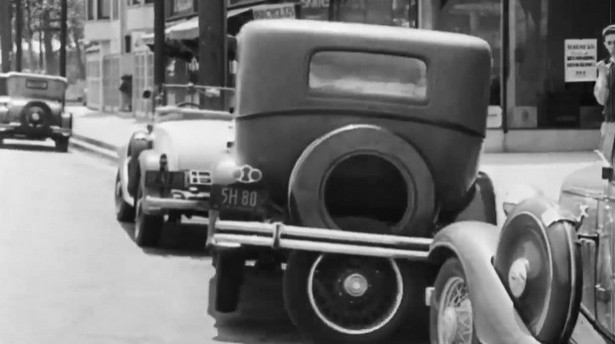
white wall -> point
(105, 30)
(139, 17)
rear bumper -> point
(279, 236)
(15, 129)
(162, 205)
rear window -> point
(368, 74)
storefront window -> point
(552, 54)
(380, 12)
(315, 9)
(481, 18)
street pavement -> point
(71, 274)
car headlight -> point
(539, 263)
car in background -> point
(164, 171)
(32, 108)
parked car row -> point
(32, 108)
(352, 163)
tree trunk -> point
(30, 34)
(80, 64)
(5, 35)
(50, 58)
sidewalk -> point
(94, 130)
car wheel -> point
(124, 212)
(62, 144)
(148, 228)
(451, 317)
(229, 278)
(348, 299)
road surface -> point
(71, 274)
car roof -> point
(274, 57)
(35, 76)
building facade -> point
(544, 53)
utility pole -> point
(18, 34)
(63, 35)
(213, 61)
(6, 44)
(159, 41)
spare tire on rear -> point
(36, 114)
(366, 171)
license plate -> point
(236, 197)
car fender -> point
(474, 244)
(122, 166)
(149, 160)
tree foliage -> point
(41, 20)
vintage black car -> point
(355, 168)
(32, 108)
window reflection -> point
(539, 30)
(380, 12)
(481, 18)
(369, 74)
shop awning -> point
(189, 29)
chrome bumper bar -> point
(156, 205)
(279, 236)
(16, 126)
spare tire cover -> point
(41, 110)
(311, 171)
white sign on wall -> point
(580, 57)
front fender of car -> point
(122, 165)
(149, 160)
(474, 244)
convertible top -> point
(274, 73)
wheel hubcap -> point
(455, 321)
(355, 285)
(354, 295)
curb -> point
(98, 148)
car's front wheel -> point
(148, 228)
(348, 299)
(124, 212)
(451, 318)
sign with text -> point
(274, 11)
(580, 60)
